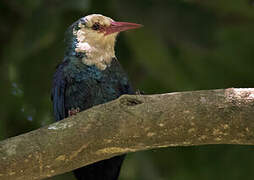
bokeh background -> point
(184, 45)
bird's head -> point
(95, 37)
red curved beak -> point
(121, 26)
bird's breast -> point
(88, 87)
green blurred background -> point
(184, 45)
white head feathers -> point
(98, 47)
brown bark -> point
(129, 124)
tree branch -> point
(129, 124)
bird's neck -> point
(91, 51)
(71, 43)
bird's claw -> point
(138, 92)
(73, 111)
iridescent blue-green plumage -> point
(77, 85)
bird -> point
(90, 74)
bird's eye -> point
(96, 26)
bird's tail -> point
(108, 169)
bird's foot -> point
(138, 92)
(73, 111)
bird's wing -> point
(58, 93)
(70, 91)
